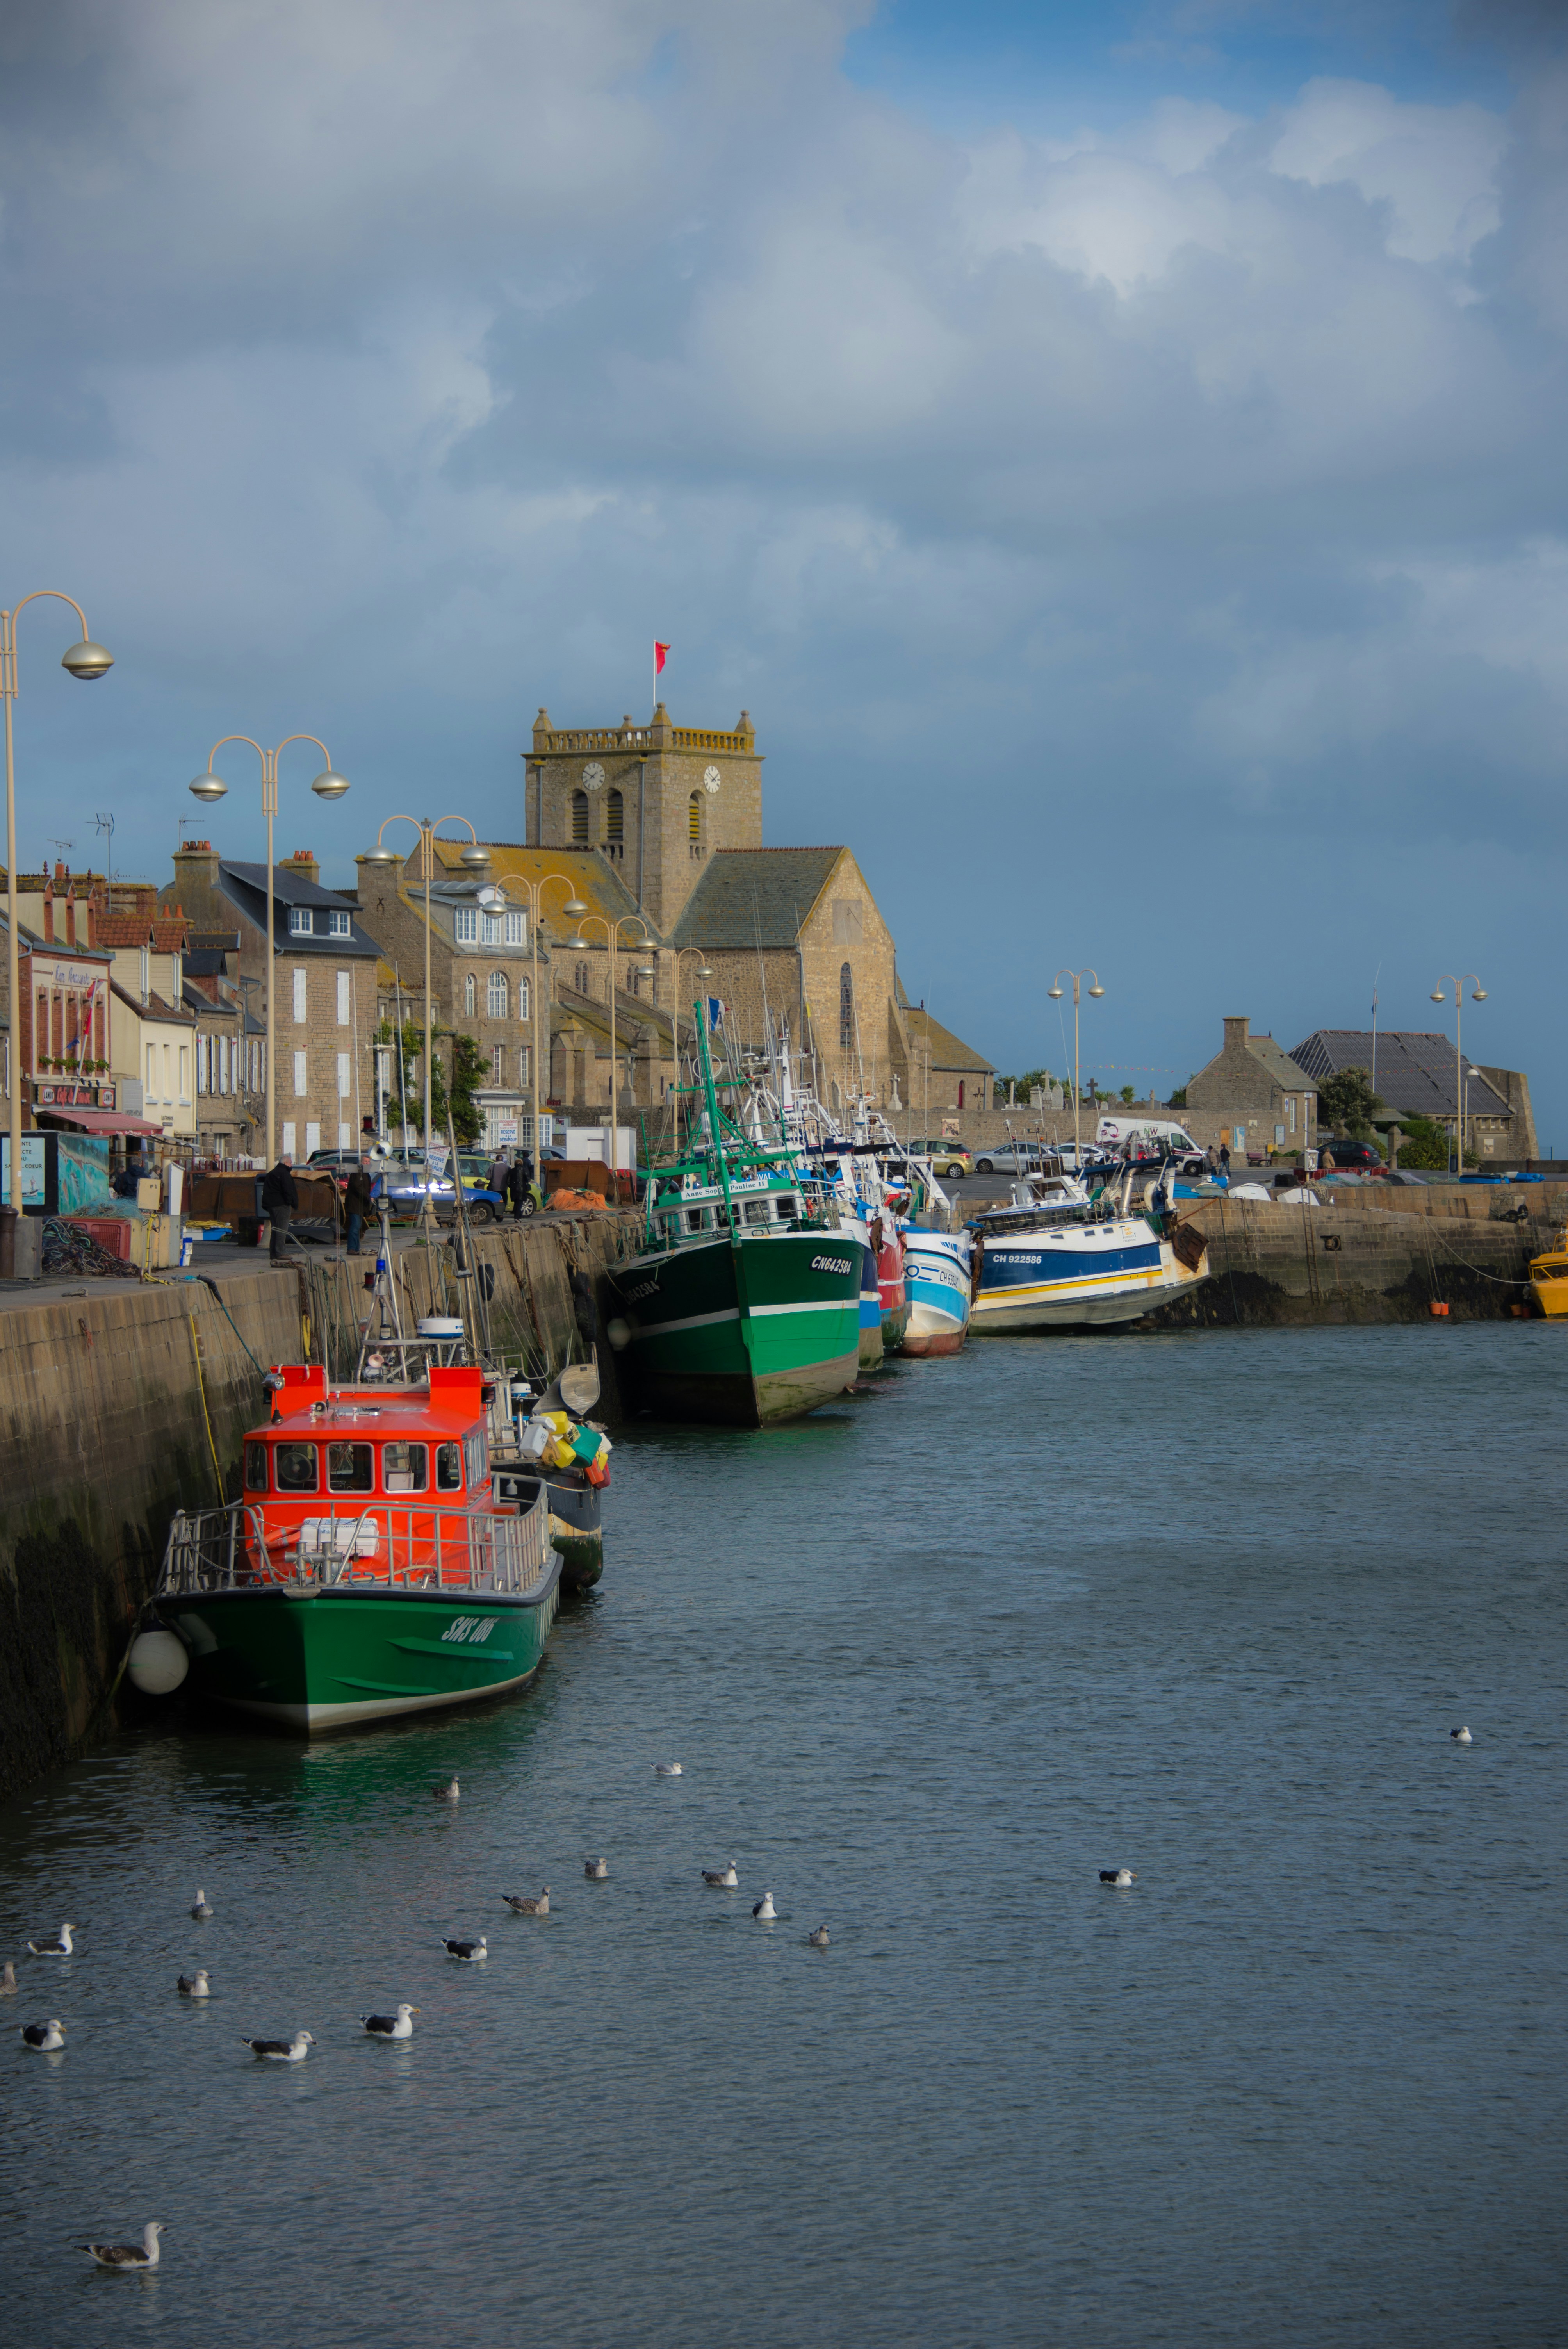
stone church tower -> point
(657, 801)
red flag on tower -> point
(660, 651)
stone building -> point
(945, 1074)
(325, 985)
(1272, 1100)
(1416, 1077)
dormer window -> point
(339, 925)
(491, 931)
(517, 930)
(300, 924)
(468, 926)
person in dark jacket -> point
(280, 1197)
(519, 1183)
(357, 1203)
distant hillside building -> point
(1277, 1098)
(1416, 1077)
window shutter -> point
(345, 998)
(344, 1076)
(301, 997)
(301, 1085)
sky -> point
(1116, 452)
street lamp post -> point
(612, 942)
(574, 908)
(1056, 993)
(327, 785)
(477, 859)
(85, 661)
(1440, 994)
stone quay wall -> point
(123, 1404)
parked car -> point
(403, 1186)
(1010, 1158)
(948, 1158)
(1348, 1155)
(485, 1205)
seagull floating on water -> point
(60, 1949)
(450, 1793)
(130, 2258)
(195, 1985)
(1120, 1877)
(202, 1907)
(723, 1879)
(667, 1769)
(596, 1870)
(526, 1908)
(45, 2036)
(1461, 1737)
(818, 1940)
(391, 2027)
(282, 2051)
(763, 1910)
(470, 1953)
(7, 1978)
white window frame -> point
(524, 998)
(466, 926)
(300, 922)
(288, 1142)
(497, 996)
(470, 995)
(490, 930)
(312, 1136)
(517, 929)
(340, 925)
(152, 1073)
(185, 1075)
(522, 1062)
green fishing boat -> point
(743, 1305)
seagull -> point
(723, 1879)
(667, 1769)
(764, 1910)
(282, 2051)
(450, 1792)
(45, 2036)
(1120, 1877)
(391, 2027)
(8, 1980)
(60, 1949)
(818, 1940)
(525, 1907)
(202, 1908)
(470, 1953)
(129, 2258)
(596, 1870)
(195, 1985)
(1461, 1737)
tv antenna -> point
(104, 823)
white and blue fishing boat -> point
(937, 1274)
(1058, 1258)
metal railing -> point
(375, 1547)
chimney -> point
(70, 916)
(1236, 1028)
(196, 865)
(48, 913)
(59, 870)
(302, 863)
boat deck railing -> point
(379, 1545)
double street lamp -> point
(573, 909)
(1440, 994)
(612, 940)
(475, 860)
(327, 785)
(1056, 991)
(86, 661)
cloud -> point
(419, 365)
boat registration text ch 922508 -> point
(832, 1264)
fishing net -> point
(67, 1248)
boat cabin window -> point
(694, 1219)
(255, 1468)
(479, 1466)
(405, 1467)
(351, 1467)
(448, 1467)
(294, 1467)
(756, 1211)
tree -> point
(1128, 1096)
(470, 1068)
(1178, 1098)
(1347, 1103)
(1022, 1086)
(1424, 1145)
(412, 1092)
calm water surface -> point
(1206, 1605)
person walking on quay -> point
(496, 1180)
(280, 1197)
(1225, 1160)
(519, 1182)
(358, 1203)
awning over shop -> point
(97, 1121)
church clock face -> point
(593, 775)
(710, 781)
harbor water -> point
(1206, 1605)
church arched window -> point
(497, 994)
(582, 978)
(470, 991)
(693, 820)
(579, 819)
(614, 820)
(846, 1007)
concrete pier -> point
(123, 1401)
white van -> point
(1156, 1134)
